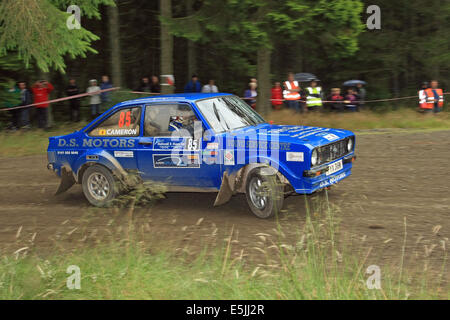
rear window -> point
(122, 123)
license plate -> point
(335, 167)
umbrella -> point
(352, 83)
(305, 77)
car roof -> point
(178, 97)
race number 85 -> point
(125, 119)
(192, 144)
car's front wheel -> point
(99, 186)
(265, 194)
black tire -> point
(264, 193)
(99, 186)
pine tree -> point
(37, 30)
(251, 28)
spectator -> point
(210, 87)
(435, 96)
(314, 96)
(291, 93)
(337, 98)
(41, 91)
(351, 100)
(73, 90)
(155, 87)
(362, 93)
(193, 86)
(277, 96)
(255, 81)
(423, 97)
(26, 99)
(95, 99)
(145, 85)
(105, 96)
(250, 95)
(13, 100)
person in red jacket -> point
(277, 96)
(41, 92)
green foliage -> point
(37, 31)
(9, 65)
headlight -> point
(350, 145)
(314, 158)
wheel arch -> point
(236, 182)
(102, 158)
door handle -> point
(146, 143)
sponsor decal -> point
(295, 156)
(212, 153)
(309, 132)
(67, 143)
(214, 145)
(331, 137)
(176, 143)
(92, 157)
(265, 145)
(176, 161)
(332, 180)
(109, 143)
(228, 158)
(124, 154)
(119, 132)
(67, 152)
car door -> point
(117, 135)
(171, 149)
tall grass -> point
(313, 265)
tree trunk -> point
(114, 43)
(263, 104)
(166, 44)
(192, 58)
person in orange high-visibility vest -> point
(291, 93)
(435, 97)
(423, 96)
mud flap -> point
(67, 181)
(225, 192)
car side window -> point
(163, 120)
(123, 123)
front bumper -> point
(316, 179)
(324, 168)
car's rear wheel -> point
(99, 186)
(264, 193)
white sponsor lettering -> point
(331, 137)
(295, 156)
(121, 132)
(213, 145)
(124, 154)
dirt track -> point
(397, 176)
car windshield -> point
(228, 113)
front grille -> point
(332, 151)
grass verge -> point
(401, 119)
(313, 266)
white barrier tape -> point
(82, 95)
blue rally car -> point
(201, 143)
